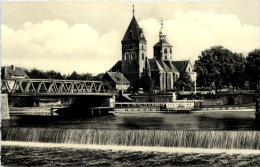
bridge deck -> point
(53, 87)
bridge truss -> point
(49, 87)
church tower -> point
(162, 49)
(134, 51)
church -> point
(161, 68)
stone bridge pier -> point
(87, 105)
(4, 107)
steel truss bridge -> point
(53, 87)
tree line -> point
(39, 74)
(219, 68)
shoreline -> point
(47, 110)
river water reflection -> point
(201, 120)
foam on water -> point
(131, 148)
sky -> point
(85, 36)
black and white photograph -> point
(130, 83)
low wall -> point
(4, 107)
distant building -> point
(12, 72)
(116, 80)
(161, 68)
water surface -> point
(219, 120)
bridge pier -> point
(4, 107)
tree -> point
(220, 66)
(184, 81)
(87, 76)
(237, 76)
(37, 74)
(75, 76)
(54, 75)
(253, 68)
(99, 76)
(146, 82)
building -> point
(161, 68)
(116, 80)
(12, 72)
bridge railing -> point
(51, 86)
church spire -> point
(162, 35)
(134, 32)
(133, 10)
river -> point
(201, 138)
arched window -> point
(142, 56)
(165, 50)
(165, 57)
(131, 34)
(135, 56)
(127, 56)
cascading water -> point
(151, 138)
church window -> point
(143, 56)
(170, 50)
(141, 33)
(142, 47)
(127, 56)
(165, 57)
(165, 50)
(131, 34)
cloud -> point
(55, 45)
(192, 32)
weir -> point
(149, 138)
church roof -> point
(181, 65)
(171, 66)
(162, 43)
(133, 32)
(154, 65)
(165, 67)
(117, 67)
(118, 78)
